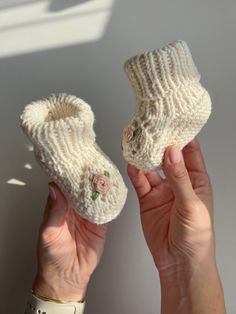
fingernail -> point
(175, 154)
(52, 192)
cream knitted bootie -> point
(172, 105)
(61, 130)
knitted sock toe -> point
(61, 130)
(172, 105)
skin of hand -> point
(69, 249)
(177, 220)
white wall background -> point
(65, 45)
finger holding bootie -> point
(172, 105)
(61, 130)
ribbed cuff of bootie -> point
(58, 118)
(157, 73)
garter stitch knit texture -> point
(172, 105)
(61, 130)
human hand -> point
(69, 250)
(177, 221)
(177, 211)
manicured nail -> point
(52, 192)
(175, 154)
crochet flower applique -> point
(130, 133)
(101, 184)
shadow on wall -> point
(43, 25)
(53, 5)
(59, 5)
(92, 71)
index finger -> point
(139, 180)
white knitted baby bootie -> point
(61, 130)
(172, 105)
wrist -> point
(58, 289)
(193, 289)
(185, 271)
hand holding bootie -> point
(61, 130)
(172, 105)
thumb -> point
(177, 175)
(56, 207)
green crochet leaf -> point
(107, 174)
(95, 195)
(137, 131)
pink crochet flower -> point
(102, 183)
(128, 133)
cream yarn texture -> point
(172, 105)
(61, 130)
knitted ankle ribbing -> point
(172, 105)
(61, 130)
